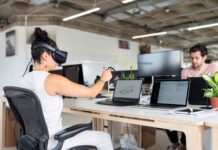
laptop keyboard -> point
(110, 102)
(100, 96)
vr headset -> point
(59, 56)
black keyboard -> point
(160, 106)
(100, 96)
(110, 102)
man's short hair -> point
(199, 47)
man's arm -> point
(215, 65)
(183, 74)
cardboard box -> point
(148, 137)
(11, 129)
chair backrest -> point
(27, 110)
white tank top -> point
(51, 105)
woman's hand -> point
(106, 75)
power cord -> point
(27, 66)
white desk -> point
(192, 126)
(213, 124)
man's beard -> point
(197, 66)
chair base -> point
(87, 147)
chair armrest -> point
(43, 142)
(71, 131)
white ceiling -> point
(123, 20)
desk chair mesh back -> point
(27, 110)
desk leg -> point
(139, 136)
(2, 123)
(214, 137)
(109, 127)
(98, 124)
(194, 138)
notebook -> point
(170, 93)
(196, 92)
(127, 92)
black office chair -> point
(27, 110)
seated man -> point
(198, 55)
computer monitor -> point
(167, 63)
(123, 74)
(58, 71)
(91, 70)
(74, 73)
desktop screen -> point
(58, 71)
(167, 63)
(74, 73)
(91, 70)
(123, 74)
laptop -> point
(127, 92)
(196, 92)
(171, 93)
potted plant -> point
(212, 92)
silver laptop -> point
(170, 93)
(127, 92)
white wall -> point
(12, 68)
(95, 51)
(81, 46)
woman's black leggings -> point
(173, 136)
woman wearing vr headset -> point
(50, 88)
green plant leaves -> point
(210, 81)
(216, 77)
(208, 93)
(213, 83)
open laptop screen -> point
(196, 92)
(127, 90)
(170, 92)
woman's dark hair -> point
(199, 47)
(41, 36)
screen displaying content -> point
(124, 74)
(173, 92)
(74, 73)
(128, 89)
(166, 63)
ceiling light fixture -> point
(149, 35)
(81, 14)
(202, 26)
(127, 1)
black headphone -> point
(59, 56)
